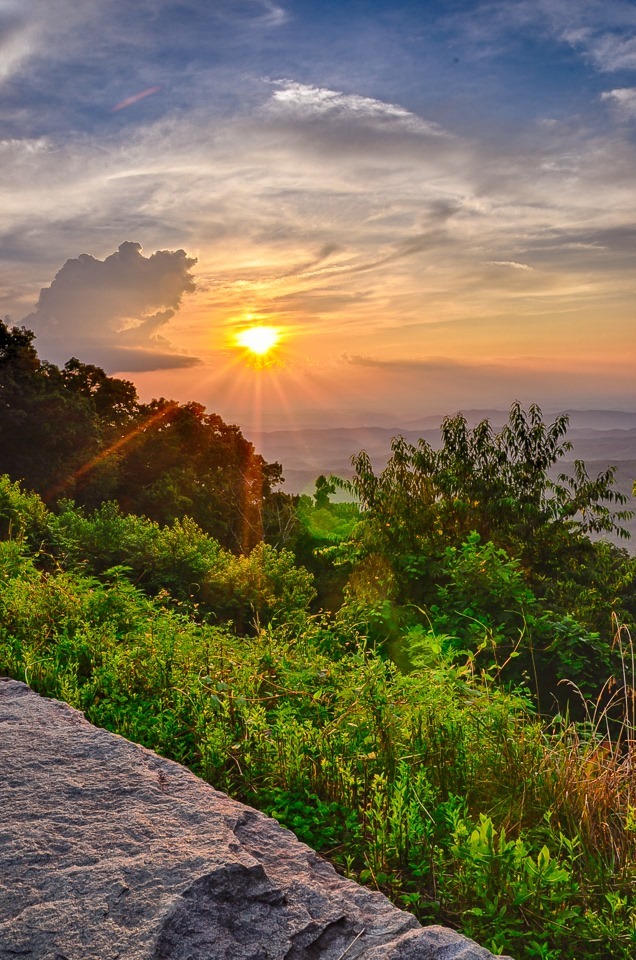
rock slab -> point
(109, 851)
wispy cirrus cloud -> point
(608, 51)
(17, 35)
(308, 102)
(602, 31)
(623, 99)
(272, 15)
(495, 380)
(512, 264)
(196, 52)
(248, 13)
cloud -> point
(310, 266)
(111, 311)
(196, 52)
(271, 15)
(623, 99)
(330, 198)
(314, 303)
(455, 383)
(602, 31)
(138, 360)
(415, 366)
(16, 36)
(310, 102)
(354, 208)
(448, 383)
(277, 209)
(509, 263)
(253, 13)
(609, 52)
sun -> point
(258, 340)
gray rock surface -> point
(107, 851)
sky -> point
(434, 203)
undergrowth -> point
(438, 787)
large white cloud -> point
(111, 311)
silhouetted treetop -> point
(77, 433)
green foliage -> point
(22, 514)
(436, 782)
(327, 523)
(438, 786)
(262, 587)
(484, 607)
(321, 527)
(182, 562)
(173, 558)
(178, 563)
(46, 431)
(494, 553)
(77, 433)
(181, 461)
(498, 485)
(484, 593)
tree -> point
(46, 432)
(182, 461)
(115, 401)
(77, 433)
(324, 489)
(484, 545)
(499, 485)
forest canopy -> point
(76, 433)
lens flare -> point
(128, 102)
